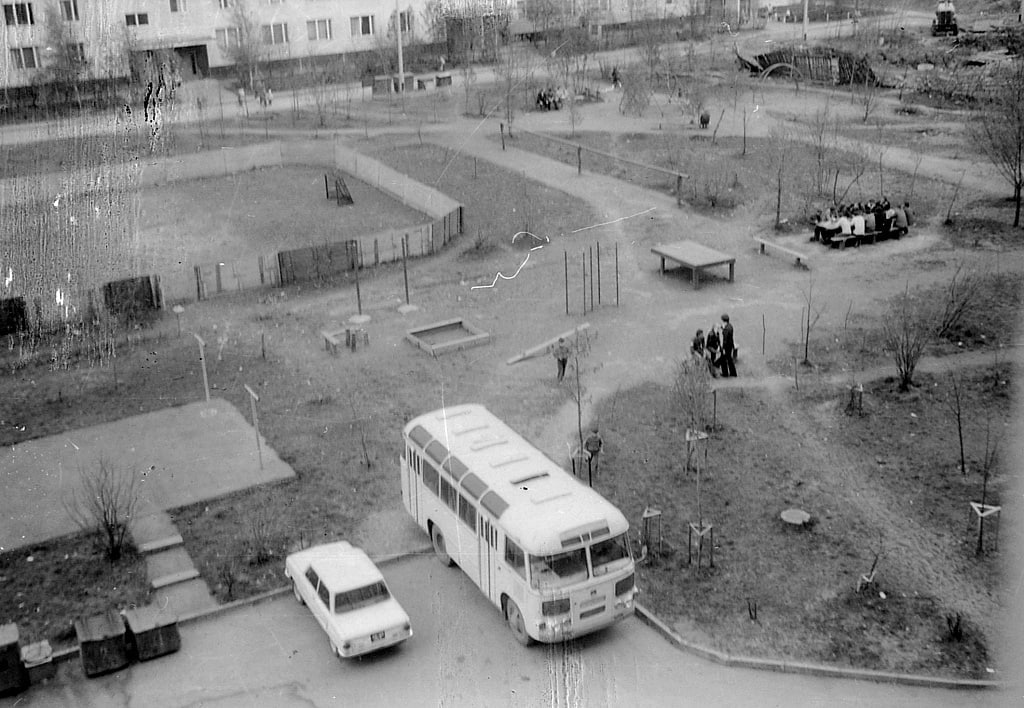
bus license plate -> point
(376, 637)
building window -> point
(275, 34)
(24, 58)
(229, 38)
(177, 5)
(515, 557)
(139, 18)
(69, 10)
(226, 4)
(19, 13)
(318, 29)
(76, 53)
(405, 21)
(362, 26)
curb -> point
(64, 655)
(800, 667)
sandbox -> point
(447, 336)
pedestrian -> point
(728, 359)
(592, 448)
(561, 353)
(616, 82)
(270, 97)
(241, 96)
(713, 350)
(697, 346)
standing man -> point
(592, 448)
(561, 353)
(728, 348)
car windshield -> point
(360, 597)
(558, 570)
(609, 554)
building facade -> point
(94, 38)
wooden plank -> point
(542, 349)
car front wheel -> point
(439, 548)
(298, 596)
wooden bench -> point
(765, 244)
(353, 337)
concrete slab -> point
(178, 455)
(151, 532)
(174, 562)
(184, 598)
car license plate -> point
(376, 637)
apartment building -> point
(100, 34)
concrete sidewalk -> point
(178, 455)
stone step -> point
(169, 566)
(174, 578)
(161, 544)
(184, 598)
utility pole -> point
(805, 20)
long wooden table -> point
(694, 256)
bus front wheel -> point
(439, 549)
(517, 625)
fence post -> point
(679, 190)
(502, 126)
(616, 274)
(579, 160)
(598, 275)
(591, 278)
(583, 259)
(565, 254)
(405, 270)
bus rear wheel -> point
(439, 549)
(515, 622)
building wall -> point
(103, 29)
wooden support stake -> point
(579, 160)
(599, 273)
(565, 255)
(616, 274)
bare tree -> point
(907, 329)
(105, 504)
(244, 46)
(999, 131)
(810, 318)
(961, 295)
(824, 131)
(955, 403)
(66, 65)
(987, 463)
(692, 392)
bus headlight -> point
(625, 585)
(550, 608)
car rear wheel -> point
(298, 596)
(517, 625)
(439, 548)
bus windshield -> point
(558, 570)
(608, 555)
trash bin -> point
(101, 643)
(13, 677)
(152, 632)
(382, 85)
(38, 661)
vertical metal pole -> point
(401, 62)
(565, 255)
(598, 274)
(579, 160)
(202, 359)
(583, 262)
(616, 274)
(591, 278)
(502, 127)
(359, 296)
(253, 398)
(405, 270)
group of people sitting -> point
(716, 349)
(550, 99)
(855, 221)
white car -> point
(349, 598)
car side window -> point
(311, 576)
(325, 595)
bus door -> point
(487, 539)
(411, 482)
(469, 550)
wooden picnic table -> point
(694, 256)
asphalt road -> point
(274, 654)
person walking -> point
(697, 346)
(728, 359)
(561, 353)
(592, 448)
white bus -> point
(547, 550)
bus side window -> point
(515, 557)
